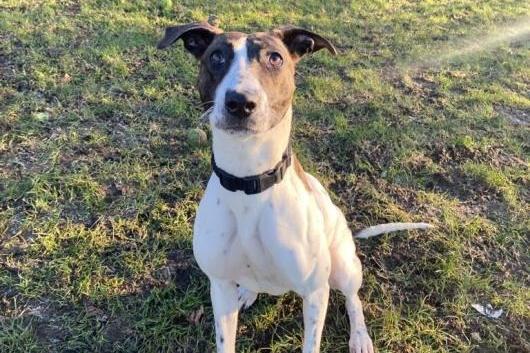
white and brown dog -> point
(264, 225)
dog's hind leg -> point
(346, 276)
(225, 309)
(315, 307)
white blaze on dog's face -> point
(249, 79)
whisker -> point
(202, 104)
(204, 116)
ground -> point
(423, 116)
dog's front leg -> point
(225, 308)
(315, 307)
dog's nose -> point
(239, 104)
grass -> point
(99, 187)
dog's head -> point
(249, 79)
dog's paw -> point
(246, 298)
(360, 342)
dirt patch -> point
(49, 333)
(515, 116)
(180, 268)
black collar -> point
(256, 183)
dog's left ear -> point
(300, 41)
(197, 36)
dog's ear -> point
(197, 36)
(300, 41)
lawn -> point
(423, 116)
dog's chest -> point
(252, 250)
(266, 244)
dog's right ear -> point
(197, 36)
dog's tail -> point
(390, 227)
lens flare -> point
(518, 31)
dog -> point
(264, 225)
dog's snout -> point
(240, 104)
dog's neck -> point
(246, 155)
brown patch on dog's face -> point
(210, 76)
(264, 50)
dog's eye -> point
(217, 59)
(275, 60)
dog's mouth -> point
(236, 128)
(255, 123)
(234, 124)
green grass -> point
(98, 186)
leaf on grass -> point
(488, 311)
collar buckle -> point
(251, 186)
